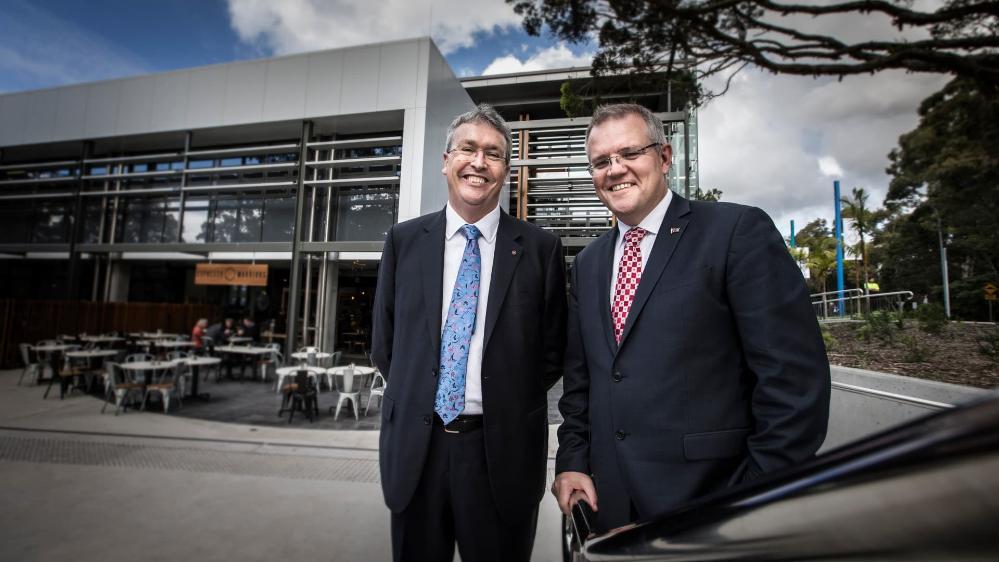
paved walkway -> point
(143, 485)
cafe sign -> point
(231, 274)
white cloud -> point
(829, 167)
(292, 26)
(558, 56)
(777, 142)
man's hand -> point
(570, 487)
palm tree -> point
(855, 208)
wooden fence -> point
(28, 321)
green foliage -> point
(709, 195)
(913, 351)
(957, 37)
(880, 325)
(944, 183)
(988, 344)
(829, 340)
(571, 103)
(932, 318)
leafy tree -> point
(855, 208)
(706, 37)
(709, 195)
(944, 177)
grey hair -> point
(619, 110)
(483, 113)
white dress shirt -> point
(454, 248)
(652, 223)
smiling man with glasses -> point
(469, 328)
(694, 361)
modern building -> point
(116, 190)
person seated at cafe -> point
(249, 329)
(197, 333)
(220, 331)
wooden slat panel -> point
(31, 321)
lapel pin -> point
(674, 229)
(513, 252)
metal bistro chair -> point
(31, 368)
(378, 384)
(349, 388)
(120, 386)
(275, 359)
(167, 382)
(300, 394)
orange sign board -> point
(991, 292)
(231, 274)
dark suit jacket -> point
(523, 348)
(721, 373)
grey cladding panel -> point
(322, 92)
(42, 116)
(244, 93)
(398, 76)
(284, 94)
(206, 97)
(71, 117)
(13, 117)
(102, 108)
(169, 101)
(360, 80)
(135, 105)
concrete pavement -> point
(141, 485)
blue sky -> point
(47, 43)
(773, 141)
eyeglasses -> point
(628, 154)
(467, 153)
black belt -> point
(460, 424)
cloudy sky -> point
(774, 142)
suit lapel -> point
(604, 250)
(505, 260)
(431, 251)
(670, 231)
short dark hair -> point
(483, 113)
(619, 110)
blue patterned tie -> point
(458, 328)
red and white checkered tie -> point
(629, 273)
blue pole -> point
(792, 233)
(839, 250)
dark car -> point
(927, 490)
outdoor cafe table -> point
(314, 372)
(153, 335)
(88, 355)
(246, 351)
(239, 339)
(151, 366)
(304, 355)
(195, 363)
(53, 353)
(339, 371)
(97, 340)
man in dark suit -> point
(694, 359)
(469, 328)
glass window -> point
(144, 218)
(196, 225)
(51, 222)
(225, 220)
(16, 219)
(92, 212)
(251, 215)
(279, 219)
(365, 214)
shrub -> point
(988, 345)
(829, 340)
(879, 324)
(914, 353)
(931, 318)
